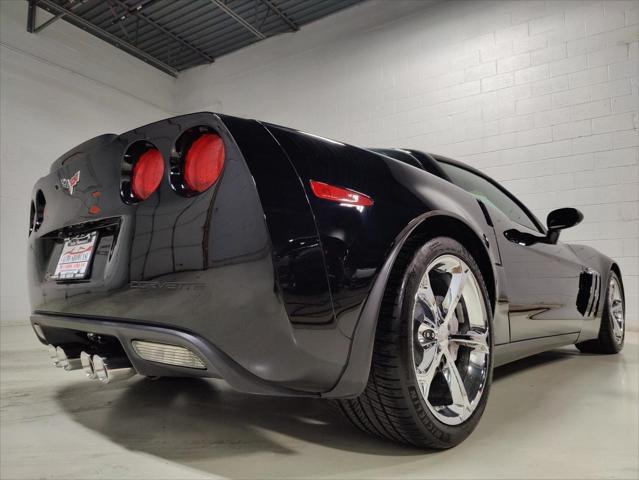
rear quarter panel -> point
(358, 242)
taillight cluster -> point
(195, 165)
(204, 162)
(36, 215)
(142, 172)
(31, 217)
(197, 162)
(147, 174)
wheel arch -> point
(615, 268)
(449, 225)
(421, 229)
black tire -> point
(606, 343)
(391, 406)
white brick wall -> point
(542, 95)
(53, 96)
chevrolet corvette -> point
(389, 281)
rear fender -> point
(355, 375)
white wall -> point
(543, 96)
(57, 89)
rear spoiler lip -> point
(105, 139)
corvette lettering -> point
(167, 285)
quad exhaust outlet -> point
(96, 367)
(109, 370)
(87, 365)
(68, 362)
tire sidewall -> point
(607, 315)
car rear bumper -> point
(67, 330)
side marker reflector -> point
(340, 195)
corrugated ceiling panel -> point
(186, 33)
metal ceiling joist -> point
(31, 16)
(32, 20)
(103, 34)
(239, 19)
(39, 28)
(175, 37)
(281, 14)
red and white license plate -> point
(75, 260)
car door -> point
(542, 279)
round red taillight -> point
(204, 162)
(147, 174)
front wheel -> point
(612, 331)
(432, 359)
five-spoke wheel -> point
(432, 359)
(616, 308)
(451, 349)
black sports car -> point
(392, 281)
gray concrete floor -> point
(560, 414)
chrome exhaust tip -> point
(66, 362)
(53, 355)
(87, 365)
(109, 370)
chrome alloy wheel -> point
(616, 308)
(451, 343)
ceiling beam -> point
(53, 19)
(31, 16)
(39, 28)
(239, 19)
(166, 31)
(279, 13)
(108, 37)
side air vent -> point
(594, 303)
(484, 210)
(589, 293)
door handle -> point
(523, 238)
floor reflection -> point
(179, 418)
(206, 425)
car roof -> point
(430, 162)
(416, 158)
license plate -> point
(75, 260)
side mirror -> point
(560, 220)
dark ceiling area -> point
(173, 35)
